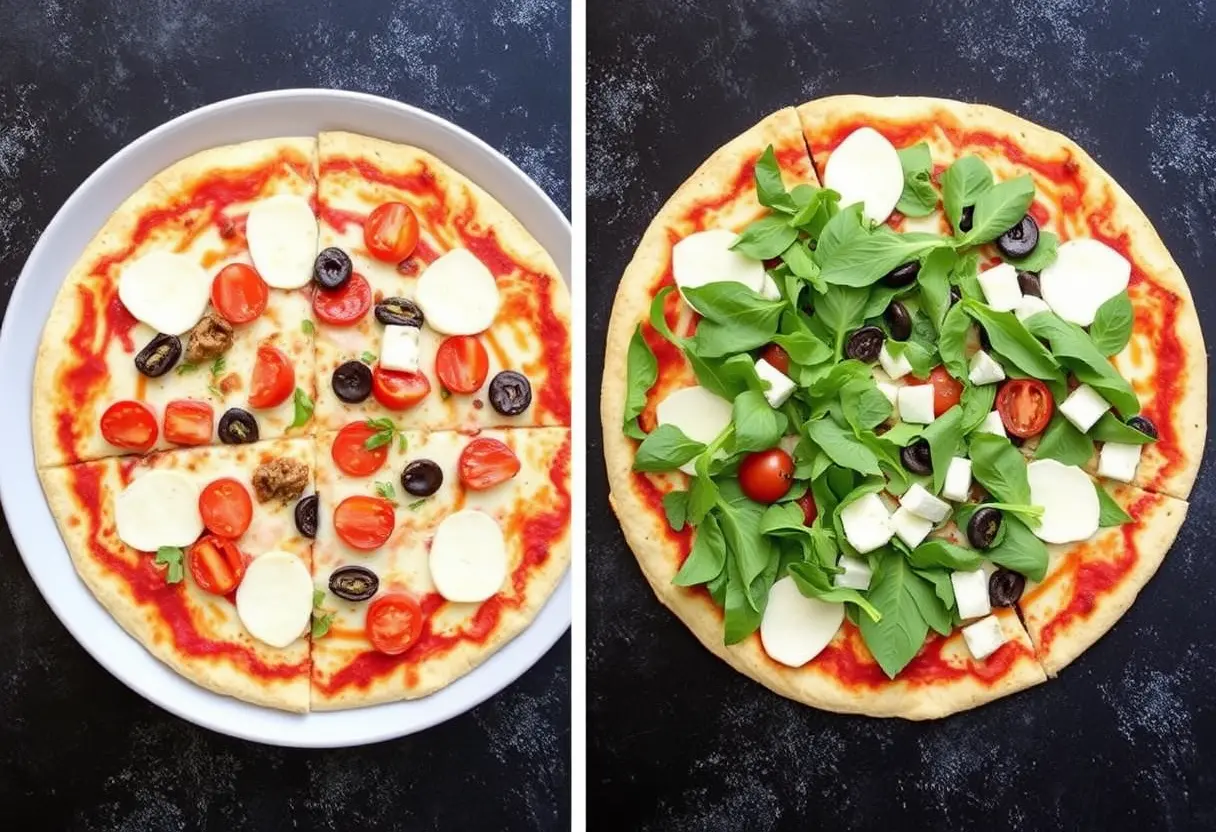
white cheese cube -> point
(1083, 407)
(1118, 461)
(984, 369)
(894, 367)
(992, 424)
(958, 480)
(910, 528)
(867, 523)
(984, 637)
(916, 404)
(923, 504)
(971, 593)
(780, 386)
(1030, 306)
(399, 348)
(856, 574)
(1001, 289)
(769, 290)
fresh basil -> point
(757, 425)
(902, 434)
(936, 552)
(1044, 254)
(303, 406)
(1010, 338)
(862, 259)
(977, 404)
(942, 587)
(744, 319)
(171, 557)
(919, 197)
(753, 552)
(934, 282)
(813, 583)
(804, 348)
(962, 184)
(1064, 443)
(726, 378)
(1110, 513)
(864, 405)
(999, 208)
(741, 618)
(1020, 550)
(665, 448)
(816, 208)
(1109, 428)
(1031, 515)
(896, 637)
(888, 459)
(642, 372)
(1076, 350)
(952, 343)
(707, 556)
(942, 434)
(929, 605)
(841, 309)
(770, 190)
(675, 506)
(798, 258)
(1000, 468)
(765, 238)
(966, 276)
(845, 449)
(1112, 326)
(658, 316)
(843, 227)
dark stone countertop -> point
(80, 751)
(1126, 736)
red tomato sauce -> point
(652, 495)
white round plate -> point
(263, 115)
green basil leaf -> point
(1109, 428)
(798, 258)
(807, 577)
(864, 258)
(888, 459)
(303, 408)
(804, 348)
(999, 208)
(966, 276)
(665, 448)
(902, 434)
(942, 587)
(896, 637)
(880, 298)
(1110, 513)
(1044, 254)
(1020, 550)
(1031, 515)
(642, 372)
(952, 342)
(842, 309)
(707, 557)
(757, 425)
(936, 552)
(1076, 350)
(977, 404)
(171, 556)
(919, 197)
(865, 407)
(1064, 443)
(842, 447)
(816, 208)
(1010, 338)
(726, 378)
(736, 319)
(943, 434)
(924, 595)
(962, 184)
(675, 506)
(934, 282)
(753, 553)
(838, 231)
(1000, 468)
(770, 190)
(765, 238)
(1112, 326)
(741, 618)
(658, 316)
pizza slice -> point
(184, 322)
(434, 300)
(203, 555)
(434, 550)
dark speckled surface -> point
(78, 750)
(1126, 737)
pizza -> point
(302, 415)
(903, 399)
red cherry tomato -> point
(776, 355)
(766, 476)
(239, 294)
(391, 232)
(364, 522)
(216, 564)
(398, 390)
(188, 422)
(273, 378)
(485, 462)
(809, 510)
(462, 364)
(394, 623)
(1025, 405)
(351, 454)
(129, 424)
(947, 390)
(345, 305)
(226, 507)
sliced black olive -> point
(398, 312)
(238, 427)
(510, 393)
(1029, 284)
(422, 478)
(984, 526)
(899, 322)
(306, 515)
(985, 341)
(332, 268)
(903, 275)
(354, 583)
(917, 457)
(955, 295)
(1144, 425)
(159, 356)
(965, 217)
(1005, 587)
(865, 344)
(1020, 240)
(352, 382)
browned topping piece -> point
(230, 383)
(280, 479)
(210, 338)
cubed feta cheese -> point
(399, 348)
(1001, 289)
(1118, 461)
(957, 486)
(856, 574)
(923, 504)
(1083, 407)
(780, 387)
(895, 367)
(769, 290)
(1030, 306)
(916, 403)
(867, 523)
(910, 528)
(984, 369)
(890, 390)
(992, 424)
(971, 593)
(984, 637)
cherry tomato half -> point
(809, 510)
(239, 294)
(364, 522)
(485, 462)
(226, 507)
(273, 378)
(397, 389)
(351, 454)
(1025, 405)
(947, 390)
(766, 476)
(129, 424)
(345, 305)
(462, 364)
(391, 232)
(394, 623)
(776, 355)
(188, 422)
(216, 564)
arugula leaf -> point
(744, 319)
(1044, 254)
(919, 197)
(1000, 468)
(770, 190)
(753, 553)
(1020, 550)
(303, 408)
(952, 343)
(765, 238)
(942, 434)
(658, 317)
(842, 447)
(171, 556)
(1109, 428)
(864, 258)
(864, 405)
(1064, 443)
(935, 552)
(1011, 339)
(842, 309)
(977, 404)
(386, 491)
(898, 635)
(962, 184)
(999, 208)
(642, 372)
(813, 583)
(184, 368)
(757, 425)
(934, 282)
(708, 555)
(1112, 326)
(804, 348)
(1074, 348)
(930, 606)
(417, 504)
(1110, 513)
(902, 434)
(308, 327)
(888, 459)
(665, 448)
(675, 506)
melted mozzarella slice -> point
(795, 629)
(168, 292)
(699, 414)
(706, 257)
(468, 559)
(274, 600)
(458, 294)
(865, 168)
(1069, 501)
(1085, 274)
(158, 509)
(282, 235)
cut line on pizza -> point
(903, 399)
(302, 415)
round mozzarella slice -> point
(705, 257)
(1085, 274)
(699, 414)
(457, 294)
(865, 168)
(795, 629)
(168, 292)
(282, 235)
(158, 509)
(468, 557)
(1069, 501)
(274, 599)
